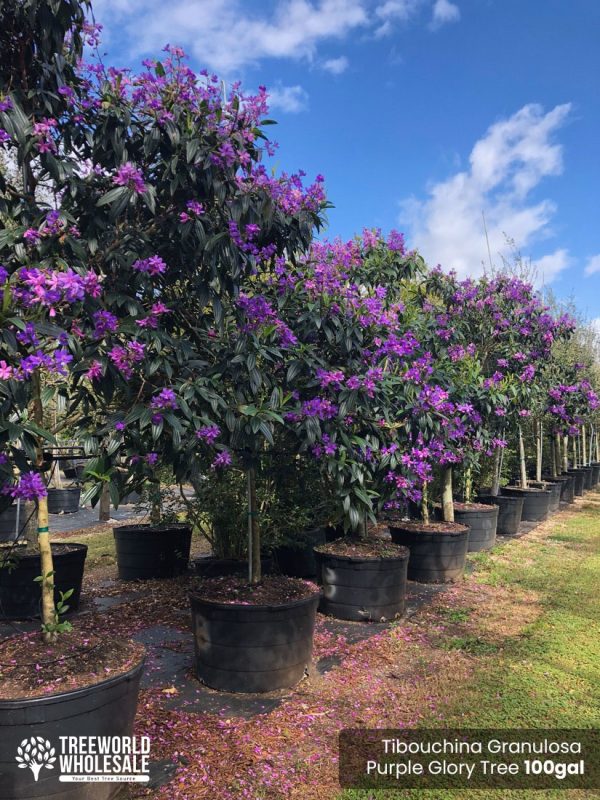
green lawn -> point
(546, 675)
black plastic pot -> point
(536, 502)
(434, 557)
(152, 551)
(578, 480)
(64, 501)
(20, 593)
(11, 521)
(510, 510)
(588, 473)
(245, 648)
(362, 589)
(105, 709)
(298, 559)
(213, 567)
(596, 469)
(554, 489)
(482, 524)
(567, 486)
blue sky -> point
(421, 114)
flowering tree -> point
(41, 291)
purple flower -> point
(131, 177)
(104, 322)
(5, 104)
(32, 236)
(3, 275)
(165, 399)
(30, 487)
(209, 433)
(152, 459)
(120, 425)
(95, 372)
(4, 136)
(152, 266)
(222, 460)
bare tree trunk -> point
(254, 565)
(583, 447)
(555, 444)
(522, 462)
(447, 500)
(29, 523)
(597, 446)
(425, 506)
(539, 442)
(496, 473)
(47, 584)
(104, 511)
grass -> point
(546, 674)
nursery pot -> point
(20, 594)
(12, 520)
(588, 478)
(536, 502)
(297, 559)
(64, 501)
(252, 648)
(482, 522)
(104, 709)
(152, 551)
(510, 510)
(363, 588)
(554, 489)
(567, 487)
(438, 551)
(578, 480)
(596, 472)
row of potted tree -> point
(162, 282)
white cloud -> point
(548, 267)
(593, 265)
(505, 165)
(443, 12)
(228, 35)
(291, 99)
(336, 65)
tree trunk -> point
(29, 523)
(447, 499)
(254, 565)
(425, 506)
(48, 609)
(584, 458)
(565, 453)
(104, 512)
(556, 460)
(539, 451)
(522, 462)
(495, 490)
(597, 446)
(468, 485)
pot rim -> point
(422, 527)
(403, 554)
(196, 596)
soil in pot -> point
(297, 559)
(253, 638)
(482, 521)
(152, 551)
(55, 690)
(438, 550)
(64, 501)
(536, 502)
(19, 566)
(363, 580)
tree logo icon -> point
(35, 753)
